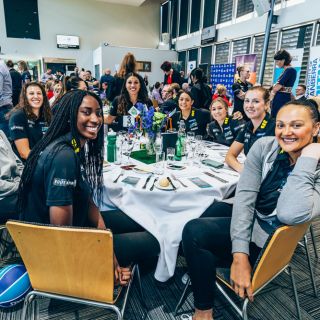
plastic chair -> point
(273, 260)
(70, 264)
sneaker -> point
(185, 279)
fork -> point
(176, 179)
(116, 180)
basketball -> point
(14, 285)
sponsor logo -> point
(64, 182)
(17, 128)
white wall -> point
(93, 21)
(112, 55)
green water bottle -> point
(181, 141)
(112, 153)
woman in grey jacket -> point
(10, 172)
(280, 184)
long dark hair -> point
(124, 98)
(45, 110)
(64, 121)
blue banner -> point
(222, 74)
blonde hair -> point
(221, 89)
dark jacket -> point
(176, 78)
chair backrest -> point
(155, 103)
(75, 262)
(277, 253)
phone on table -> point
(212, 163)
(200, 183)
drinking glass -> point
(159, 165)
(170, 154)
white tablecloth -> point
(164, 213)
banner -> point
(250, 61)
(191, 65)
(222, 74)
(313, 79)
(297, 55)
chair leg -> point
(310, 266)
(183, 297)
(27, 300)
(313, 239)
(142, 298)
(244, 309)
(296, 298)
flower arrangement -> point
(148, 121)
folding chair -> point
(71, 264)
(274, 258)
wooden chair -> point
(274, 258)
(71, 264)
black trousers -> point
(131, 242)
(207, 245)
(8, 208)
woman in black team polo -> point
(239, 88)
(256, 107)
(223, 129)
(30, 119)
(63, 174)
(196, 120)
(132, 92)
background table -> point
(164, 213)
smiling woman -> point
(30, 119)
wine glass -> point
(170, 154)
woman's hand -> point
(311, 150)
(237, 116)
(241, 275)
(121, 275)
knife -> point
(215, 177)
(170, 181)
(154, 181)
(148, 179)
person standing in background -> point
(108, 79)
(25, 74)
(16, 79)
(301, 93)
(170, 75)
(5, 97)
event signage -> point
(208, 35)
(191, 65)
(67, 42)
(222, 74)
(250, 61)
(297, 55)
(313, 79)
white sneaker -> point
(185, 278)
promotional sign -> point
(191, 66)
(297, 55)
(222, 74)
(313, 79)
(250, 61)
(208, 35)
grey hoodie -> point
(10, 168)
(299, 200)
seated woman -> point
(256, 106)
(64, 173)
(196, 120)
(10, 172)
(30, 119)
(223, 129)
(131, 93)
(280, 184)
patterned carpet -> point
(275, 302)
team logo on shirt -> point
(17, 128)
(64, 182)
(264, 124)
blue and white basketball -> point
(14, 285)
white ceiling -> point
(135, 3)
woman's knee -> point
(191, 233)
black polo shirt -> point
(26, 76)
(197, 121)
(247, 137)
(236, 88)
(122, 122)
(228, 132)
(21, 127)
(57, 181)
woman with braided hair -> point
(63, 173)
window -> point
(206, 55)
(184, 10)
(240, 47)
(269, 66)
(244, 7)
(195, 15)
(208, 13)
(164, 16)
(299, 38)
(222, 53)
(182, 60)
(174, 8)
(225, 10)
(193, 55)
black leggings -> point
(207, 246)
(132, 243)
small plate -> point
(169, 187)
(142, 170)
(175, 166)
